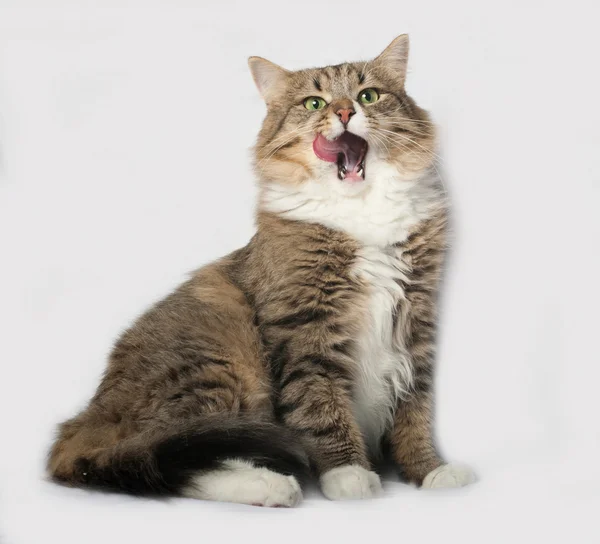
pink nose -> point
(344, 114)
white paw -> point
(350, 482)
(241, 482)
(450, 475)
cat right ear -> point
(268, 76)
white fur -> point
(379, 211)
(358, 123)
(450, 475)
(350, 482)
(384, 364)
(240, 481)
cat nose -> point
(344, 114)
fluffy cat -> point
(310, 350)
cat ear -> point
(395, 57)
(268, 76)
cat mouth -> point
(348, 151)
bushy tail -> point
(162, 462)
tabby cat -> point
(310, 350)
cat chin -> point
(327, 176)
(351, 188)
(336, 187)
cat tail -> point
(164, 462)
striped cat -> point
(310, 350)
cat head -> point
(337, 125)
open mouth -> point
(348, 151)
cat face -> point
(337, 125)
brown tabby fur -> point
(411, 437)
(267, 334)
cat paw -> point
(450, 475)
(350, 482)
(241, 482)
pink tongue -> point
(351, 147)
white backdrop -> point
(124, 164)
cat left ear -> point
(395, 57)
(268, 76)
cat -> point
(308, 352)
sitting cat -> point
(310, 350)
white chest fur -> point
(384, 213)
(384, 372)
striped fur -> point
(309, 347)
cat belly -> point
(384, 372)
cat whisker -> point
(411, 130)
(295, 134)
(423, 130)
(436, 157)
(401, 136)
(285, 137)
(393, 141)
(379, 140)
(405, 119)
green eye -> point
(314, 103)
(368, 96)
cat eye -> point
(314, 103)
(368, 96)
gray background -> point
(124, 164)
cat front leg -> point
(315, 401)
(414, 450)
(412, 445)
(411, 437)
(310, 313)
